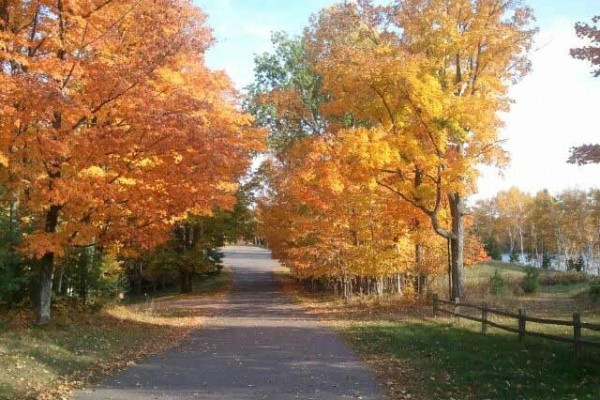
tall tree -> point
(286, 94)
(430, 77)
(512, 206)
(112, 127)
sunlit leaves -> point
(110, 114)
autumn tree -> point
(542, 223)
(112, 128)
(558, 230)
(485, 226)
(325, 222)
(323, 214)
(512, 206)
(429, 77)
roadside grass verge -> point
(442, 360)
(81, 348)
(417, 357)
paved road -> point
(259, 344)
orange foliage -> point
(111, 126)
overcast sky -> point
(556, 107)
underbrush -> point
(502, 282)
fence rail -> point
(522, 319)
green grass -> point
(487, 269)
(559, 285)
(571, 289)
(82, 346)
(443, 361)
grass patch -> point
(571, 289)
(418, 358)
(433, 360)
(79, 348)
(558, 293)
(487, 269)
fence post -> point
(577, 332)
(484, 318)
(522, 324)
(435, 305)
(457, 308)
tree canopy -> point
(409, 96)
(112, 128)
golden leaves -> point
(413, 95)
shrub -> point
(530, 283)
(493, 249)
(498, 284)
(546, 261)
(514, 257)
(575, 264)
(580, 266)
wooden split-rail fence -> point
(440, 306)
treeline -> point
(378, 117)
(89, 275)
(550, 231)
(118, 146)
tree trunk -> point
(400, 283)
(418, 256)
(186, 281)
(521, 243)
(347, 287)
(379, 286)
(457, 241)
(45, 298)
(511, 241)
(47, 270)
(138, 271)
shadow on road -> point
(257, 344)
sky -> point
(555, 107)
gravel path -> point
(258, 344)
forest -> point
(558, 232)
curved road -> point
(259, 344)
